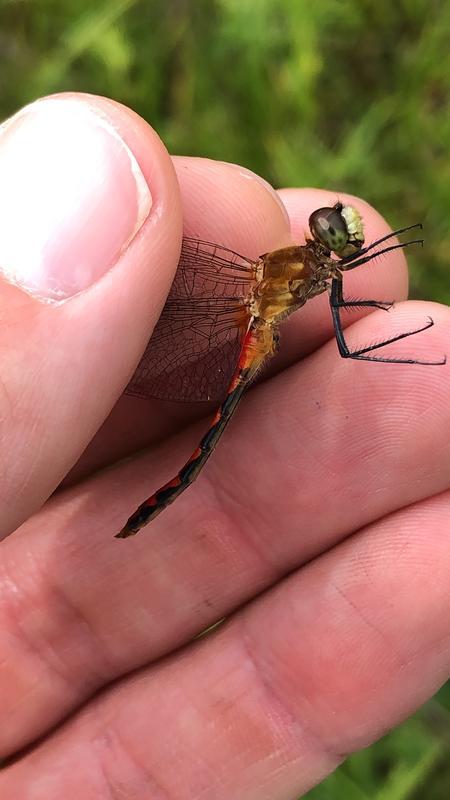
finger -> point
(231, 205)
(222, 203)
(91, 230)
(274, 701)
(338, 445)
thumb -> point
(90, 230)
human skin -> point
(319, 528)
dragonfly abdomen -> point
(258, 343)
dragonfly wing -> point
(195, 345)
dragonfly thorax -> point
(288, 278)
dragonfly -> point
(220, 324)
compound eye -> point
(340, 229)
(329, 227)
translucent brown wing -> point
(195, 345)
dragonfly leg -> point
(353, 261)
(337, 302)
(377, 242)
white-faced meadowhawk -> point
(220, 324)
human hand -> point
(319, 527)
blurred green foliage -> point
(351, 95)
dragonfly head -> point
(339, 229)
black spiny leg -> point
(346, 261)
(341, 302)
(337, 302)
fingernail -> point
(72, 197)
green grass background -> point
(346, 94)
